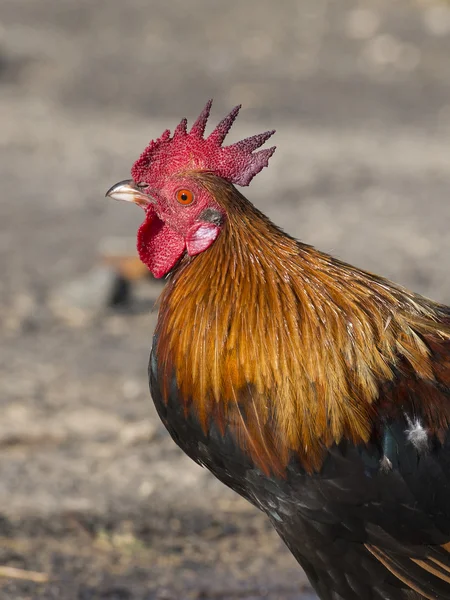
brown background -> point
(92, 491)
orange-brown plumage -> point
(316, 390)
(301, 340)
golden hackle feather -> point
(286, 347)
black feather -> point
(370, 525)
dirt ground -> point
(94, 496)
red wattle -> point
(159, 247)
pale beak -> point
(129, 191)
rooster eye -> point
(185, 197)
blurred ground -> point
(92, 491)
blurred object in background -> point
(359, 93)
(120, 256)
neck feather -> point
(282, 344)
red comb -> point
(237, 163)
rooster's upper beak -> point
(129, 191)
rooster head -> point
(181, 213)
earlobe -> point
(200, 237)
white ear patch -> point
(200, 237)
(417, 435)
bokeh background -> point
(94, 496)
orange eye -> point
(185, 197)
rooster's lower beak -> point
(129, 191)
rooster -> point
(316, 390)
